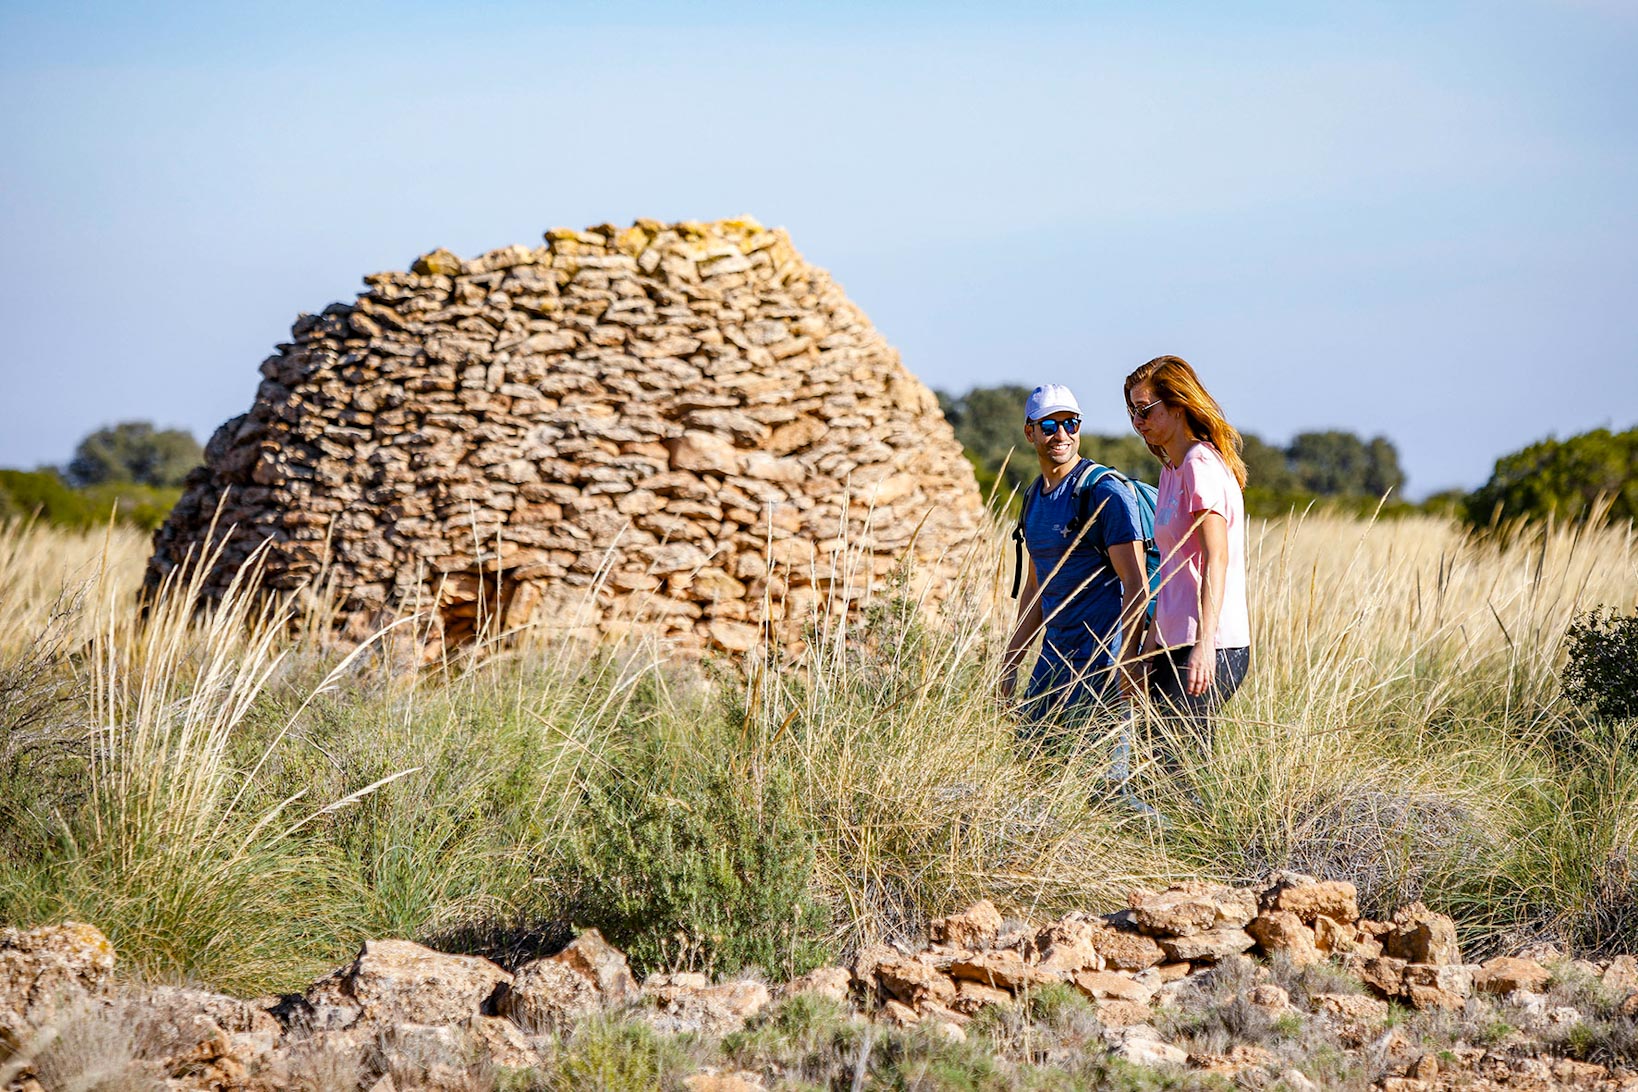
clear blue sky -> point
(1414, 219)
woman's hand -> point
(1202, 670)
(1134, 679)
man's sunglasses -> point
(1141, 414)
(1049, 426)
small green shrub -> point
(1306, 982)
(616, 1055)
(1608, 1042)
(1601, 670)
(709, 868)
(806, 1037)
(26, 493)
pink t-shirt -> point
(1202, 484)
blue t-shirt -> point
(1082, 623)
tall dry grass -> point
(236, 801)
(1400, 720)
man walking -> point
(1084, 578)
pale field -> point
(1402, 726)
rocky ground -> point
(1202, 985)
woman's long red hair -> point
(1174, 383)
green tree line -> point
(131, 471)
(1593, 474)
(135, 471)
(1333, 465)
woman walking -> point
(1199, 644)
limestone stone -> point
(1384, 974)
(1112, 985)
(1174, 972)
(46, 967)
(1067, 946)
(900, 1015)
(1339, 938)
(974, 927)
(400, 982)
(1208, 946)
(1437, 985)
(202, 1038)
(1283, 932)
(600, 962)
(1420, 935)
(548, 995)
(504, 1043)
(1622, 973)
(1002, 969)
(1506, 974)
(972, 996)
(1153, 1053)
(1191, 908)
(1309, 898)
(1122, 1014)
(1238, 1059)
(912, 981)
(738, 1080)
(471, 438)
(865, 962)
(705, 451)
(686, 1003)
(828, 982)
(1123, 950)
(1352, 1006)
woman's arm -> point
(1023, 630)
(1127, 559)
(1211, 536)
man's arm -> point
(1127, 559)
(1024, 629)
(1211, 533)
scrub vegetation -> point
(238, 801)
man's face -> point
(1063, 445)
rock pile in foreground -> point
(402, 1015)
(680, 427)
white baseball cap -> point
(1050, 398)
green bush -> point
(42, 494)
(707, 868)
(1602, 666)
(135, 452)
(1566, 479)
(29, 492)
(617, 1055)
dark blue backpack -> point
(1091, 474)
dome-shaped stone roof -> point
(670, 425)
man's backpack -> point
(1090, 474)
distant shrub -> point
(709, 869)
(135, 452)
(42, 494)
(1601, 671)
(1566, 479)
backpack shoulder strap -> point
(1090, 475)
(1018, 537)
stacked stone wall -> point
(682, 427)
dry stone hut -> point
(682, 426)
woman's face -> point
(1159, 424)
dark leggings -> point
(1186, 718)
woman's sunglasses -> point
(1141, 414)
(1049, 427)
